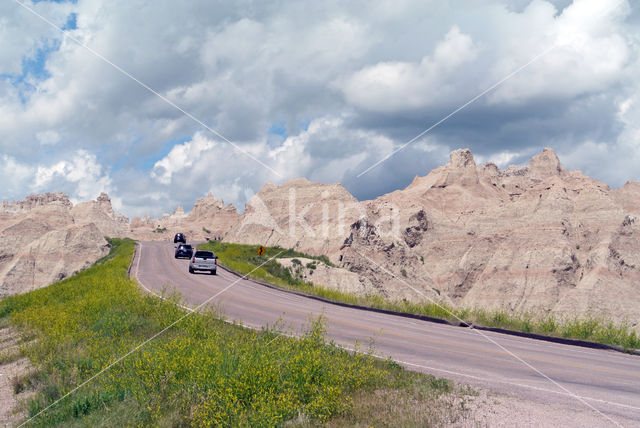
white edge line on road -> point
(406, 363)
(139, 256)
(520, 385)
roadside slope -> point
(601, 379)
(197, 370)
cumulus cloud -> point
(322, 90)
(589, 52)
(13, 176)
(201, 165)
(181, 158)
(18, 22)
(401, 86)
(81, 176)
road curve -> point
(605, 383)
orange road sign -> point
(261, 250)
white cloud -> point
(13, 176)
(48, 138)
(348, 83)
(181, 158)
(590, 52)
(501, 159)
(22, 34)
(393, 86)
(81, 176)
(201, 165)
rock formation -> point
(535, 238)
(31, 202)
(527, 238)
(44, 238)
(210, 218)
(319, 273)
(310, 217)
(101, 213)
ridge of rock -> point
(299, 214)
(36, 201)
(526, 238)
(45, 238)
(546, 164)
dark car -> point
(179, 238)
(184, 250)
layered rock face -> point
(213, 218)
(101, 213)
(527, 238)
(311, 217)
(534, 238)
(210, 218)
(318, 273)
(45, 238)
(32, 202)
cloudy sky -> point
(158, 103)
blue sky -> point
(322, 90)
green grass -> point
(200, 372)
(243, 259)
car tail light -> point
(193, 260)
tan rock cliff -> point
(44, 238)
(534, 238)
(310, 217)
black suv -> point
(184, 250)
(179, 238)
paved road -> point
(580, 378)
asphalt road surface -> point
(604, 383)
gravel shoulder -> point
(490, 409)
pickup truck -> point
(203, 260)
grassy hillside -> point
(244, 259)
(201, 371)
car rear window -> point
(204, 254)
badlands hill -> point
(533, 238)
(312, 217)
(210, 218)
(527, 238)
(530, 238)
(45, 238)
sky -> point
(159, 103)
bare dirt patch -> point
(12, 366)
(490, 409)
